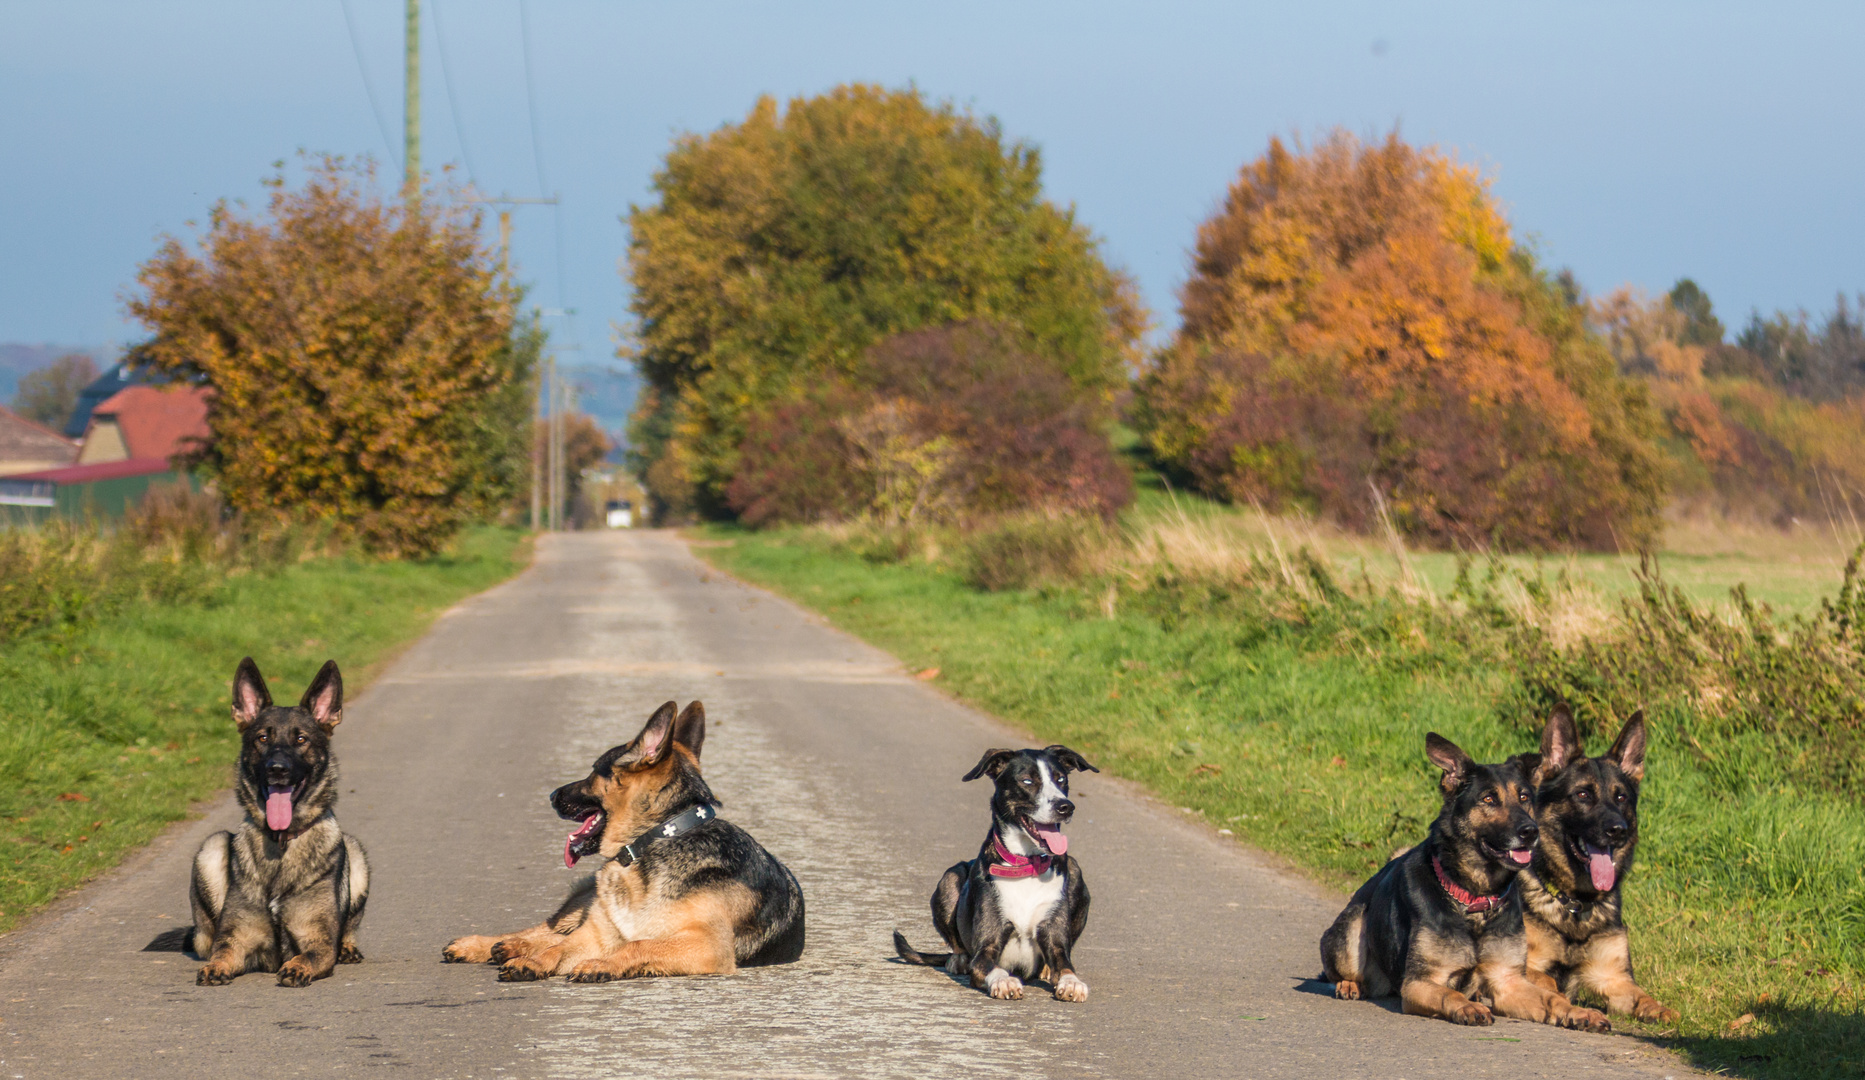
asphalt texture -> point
(1200, 953)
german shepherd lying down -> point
(286, 892)
(1441, 924)
(1587, 809)
(683, 892)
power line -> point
(537, 142)
(453, 99)
(369, 88)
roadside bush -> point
(1021, 552)
(796, 464)
(363, 358)
(1358, 314)
(949, 424)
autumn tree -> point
(1361, 333)
(363, 356)
(49, 394)
(778, 249)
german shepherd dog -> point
(1015, 911)
(1588, 812)
(683, 892)
(286, 892)
(1442, 922)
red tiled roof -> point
(103, 470)
(157, 421)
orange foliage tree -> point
(1360, 329)
(360, 353)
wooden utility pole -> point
(411, 103)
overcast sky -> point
(1635, 141)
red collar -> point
(1472, 903)
(1016, 866)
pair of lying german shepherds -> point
(1511, 904)
(680, 892)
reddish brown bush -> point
(955, 422)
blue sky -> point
(1633, 141)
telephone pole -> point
(411, 103)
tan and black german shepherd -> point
(1441, 924)
(1587, 809)
(286, 892)
(683, 892)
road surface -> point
(1199, 952)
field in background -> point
(1747, 908)
(1788, 568)
(112, 729)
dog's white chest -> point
(1023, 903)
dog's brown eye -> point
(300, 740)
(1489, 800)
(262, 737)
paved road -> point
(1198, 951)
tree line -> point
(862, 306)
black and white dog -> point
(1014, 912)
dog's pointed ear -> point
(1628, 750)
(1068, 759)
(1560, 743)
(1446, 755)
(656, 736)
(690, 729)
(250, 696)
(324, 697)
(990, 764)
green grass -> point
(1744, 904)
(112, 729)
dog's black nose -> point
(1528, 832)
(1065, 809)
(1616, 833)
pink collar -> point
(1016, 866)
(1473, 904)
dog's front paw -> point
(509, 948)
(1649, 1011)
(1347, 990)
(1071, 988)
(1586, 1020)
(1470, 1013)
(473, 949)
(523, 969)
(215, 975)
(1004, 986)
(594, 971)
(296, 972)
(349, 954)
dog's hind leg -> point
(1343, 953)
(207, 891)
(354, 887)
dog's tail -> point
(914, 956)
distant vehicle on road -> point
(619, 514)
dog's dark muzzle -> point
(283, 769)
(572, 802)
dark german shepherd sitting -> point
(286, 892)
(683, 892)
(1441, 924)
(1588, 812)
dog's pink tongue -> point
(569, 857)
(1050, 836)
(1600, 868)
(1521, 857)
(278, 809)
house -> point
(29, 447)
(145, 423)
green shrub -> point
(1017, 553)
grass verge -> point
(1748, 905)
(111, 728)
